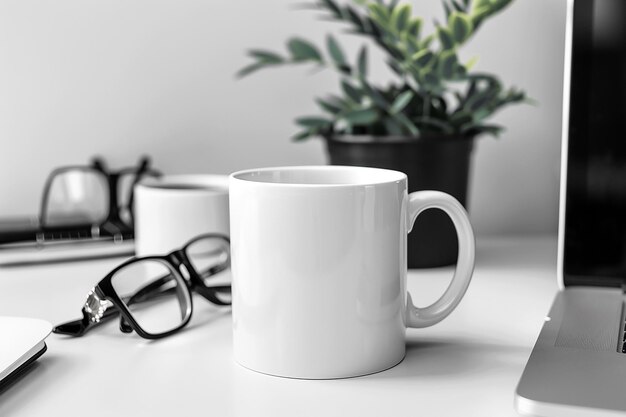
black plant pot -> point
(431, 163)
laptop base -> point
(576, 368)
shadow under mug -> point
(319, 269)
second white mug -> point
(171, 210)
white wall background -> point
(122, 78)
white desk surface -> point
(468, 365)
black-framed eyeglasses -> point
(153, 293)
(93, 195)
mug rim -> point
(388, 176)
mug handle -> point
(434, 313)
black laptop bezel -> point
(576, 131)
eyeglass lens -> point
(155, 295)
(77, 197)
(206, 255)
(210, 257)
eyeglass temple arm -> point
(95, 310)
(209, 294)
(150, 290)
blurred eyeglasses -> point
(153, 293)
(93, 195)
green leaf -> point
(482, 9)
(448, 62)
(313, 122)
(479, 13)
(471, 63)
(266, 56)
(375, 95)
(460, 73)
(459, 7)
(392, 127)
(479, 4)
(337, 54)
(329, 107)
(411, 43)
(400, 17)
(379, 13)
(393, 64)
(483, 113)
(361, 117)
(488, 7)
(303, 50)
(480, 100)
(351, 91)
(372, 28)
(354, 17)
(305, 134)
(392, 4)
(415, 27)
(391, 47)
(430, 79)
(427, 41)
(439, 103)
(445, 38)
(362, 64)
(460, 25)
(401, 101)
(461, 117)
(514, 96)
(471, 90)
(422, 58)
(338, 101)
(406, 123)
(332, 7)
(432, 122)
(494, 130)
(491, 80)
(250, 69)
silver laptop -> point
(578, 365)
(22, 341)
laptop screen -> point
(594, 246)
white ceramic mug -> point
(173, 209)
(319, 269)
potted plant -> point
(424, 121)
